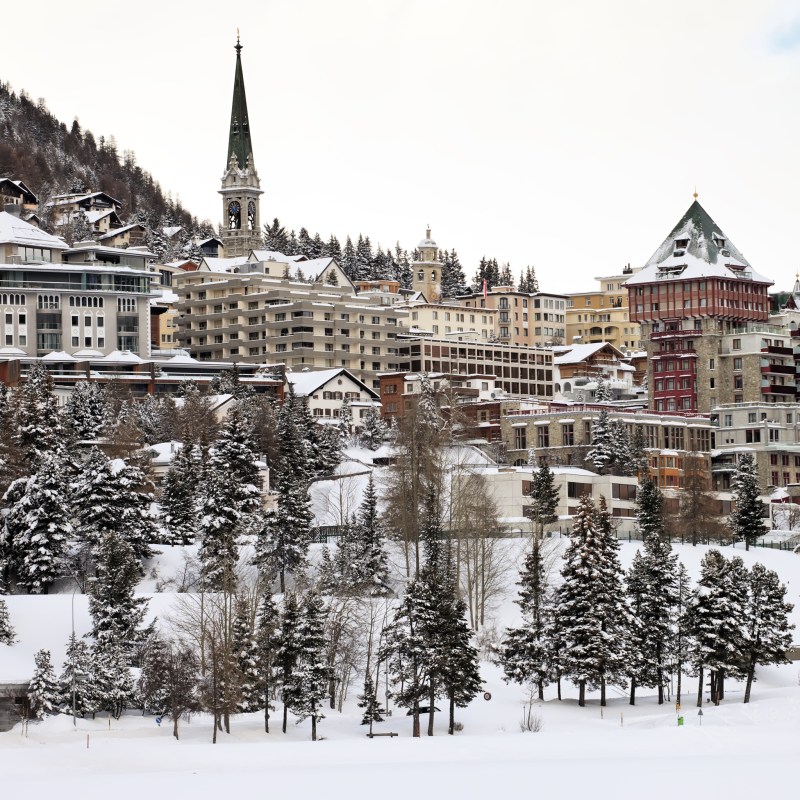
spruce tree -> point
(308, 682)
(245, 648)
(41, 528)
(544, 498)
(179, 496)
(716, 622)
(653, 592)
(85, 410)
(289, 651)
(592, 618)
(526, 654)
(7, 634)
(43, 689)
(368, 700)
(601, 453)
(747, 517)
(768, 634)
(72, 681)
(268, 643)
(117, 613)
(38, 429)
(373, 429)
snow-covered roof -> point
(127, 356)
(14, 230)
(223, 264)
(574, 354)
(118, 231)
(306, 383)
(58, 355)
(696, 248)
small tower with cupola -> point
(241, 188)
(428, 269)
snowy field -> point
(623, 751)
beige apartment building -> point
(524, 319)
(246, 310)
(602, 315)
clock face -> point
(234, 215)
(251, 215)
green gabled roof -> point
(239, 133)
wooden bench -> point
(388, 733)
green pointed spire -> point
(239, 135)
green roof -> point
(239, 135)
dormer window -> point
(719, 242)
(681, 244)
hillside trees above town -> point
(53, 158)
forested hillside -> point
(53, 158)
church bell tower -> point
(241, 188)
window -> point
(543, 436)
(568, 435)
(737, 344)
(623, 491)
(575, 489)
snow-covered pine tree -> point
(308, 682)
(134, 499)
(179, 497)
(590, 601)
(622, 462)
(289, 651)
(346, 420)
(747, 517)
(639, 461)
(715, 621)
(43, 693)
(40, 520)
(768, 634)
(373, 569)
(38, 429)
(603, 392)
(405, 649)
(458, 671)
(679, 653)
(526, 655)
(333, 249)
(95, 498)
(111, 683)
(373, 429)
(74, 672)
(329, 442)
(268, 642)
(544, 498)
(151, 686)
(653, 592)
(275, 237)
(7, 634)
(368, 700)
(245, 649)
(85, 410)
(117, 613)
(601, 453)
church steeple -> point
(239, 141)
(241, 188)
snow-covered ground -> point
(622, 751)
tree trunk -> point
(451, 727)
(283, 580)
(582, 693)
(540, 685)
(266, 708)
(431, 699)
(751, 671)
(632, 700)
(602, 691)
(313, 721)
(721, 686)
(700, 689)
(558, 684)
(175, 719)
(285, 715)
(415, 720)
(660, 675)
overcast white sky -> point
(566, 135)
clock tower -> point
(241, 189)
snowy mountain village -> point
(260, 488)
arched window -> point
(251, 216)
(234, 215)
(433, 275)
